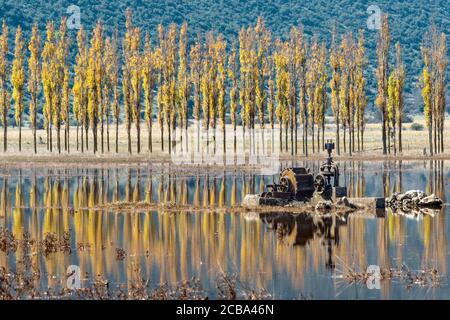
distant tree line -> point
(260, 80)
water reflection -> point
(286, 255)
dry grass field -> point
(414, 143)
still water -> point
(287, 257)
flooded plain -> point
(53, 218)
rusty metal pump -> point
(300, 185)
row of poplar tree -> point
(268, 81)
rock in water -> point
(251, 200)
(413, 199)
(431, 201)
(324, 206)
(345, 202)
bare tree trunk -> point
(86, 129)
(318, 138)
(34, 133)
(243, 137)
(292, 135)
(296, 134)
(198, 135)
(359, 138)
(20, 133)
(68, 134)
(58, 137)
(262, 141)
(345, 138)
(350, 135)
(78, 142)
(323, 136)
(129, 137)
(170, 138)
(312, 135)
(383, 132)
(389, 140)
(253, 133)
(353, 137)
(186, 128)
(305, 130)
(394, 137)
(102, 133)
(362, 139)
(281, 137)
(107, 130)
(82, 138)
(150, 144)
(435, 139)
(234, 138)
(117, 134)
(286, 127)
(272, 142)
(94, 133)
(50, 134)
(162, 137)
(138, 132)
(224, 140)
(338, 145)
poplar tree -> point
(262, 43)
(126, 76)
(220, 53)
(49, 80)
(233, 76)
(282, 79)
(427, 96)
(335, 83)
(149, 78)
(80, 88)
(196, 80)
(312, 80)
(360, 90)
(110, 84)
(168, 87)
(113, 76)
(395, 98)
(95, 76)
(34, 78)
(60, 82)
(207, 85)
(136, 83)
(18, 80)
(382, 74)
(183, 84)
(4, 75)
